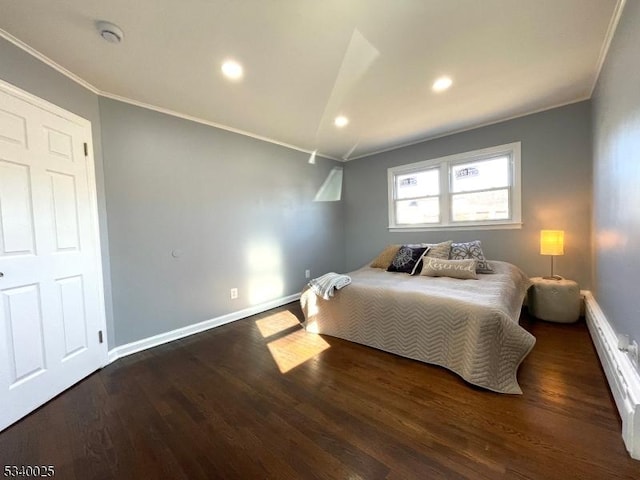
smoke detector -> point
(110, 32)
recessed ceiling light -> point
(232, 70)
(341, 121)
(441, 84)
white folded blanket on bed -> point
(325, 285)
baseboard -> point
(150, 342)
(623, 377)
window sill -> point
(435, 228)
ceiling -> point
(308, 61)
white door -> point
(51, 304)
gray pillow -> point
(473, 251)
(437, 267)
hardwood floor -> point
(260, 398)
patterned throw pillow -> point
(439, 250)
(384, 259)
(471, 250)
(437, 267)
(406, 260)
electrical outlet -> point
(307, 274)
(234, 293)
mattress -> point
(467, 326)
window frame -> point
(445, 166)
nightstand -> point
(554, 300)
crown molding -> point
(209, 123)
(46, 60)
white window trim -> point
(513, 150)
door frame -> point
(23, 95)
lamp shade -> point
(551, 242)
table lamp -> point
(552, 243)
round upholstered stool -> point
(554, 300)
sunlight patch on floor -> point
(293, 349)
(276, 323)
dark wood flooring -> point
(261, 399)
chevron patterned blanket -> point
(467, 326)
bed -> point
(467, 326)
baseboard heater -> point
(623, 377)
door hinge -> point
(86, 149)
(100, 336)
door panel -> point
(24, 326)
(73, 315)
(64, 211)
(59, 144)
(15, 212)
(13, 128)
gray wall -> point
(556, 193)
(26, 72)
(240, 211)
(616, 166)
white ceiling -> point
(306, 61)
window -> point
(479, 189)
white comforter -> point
(468, 326)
